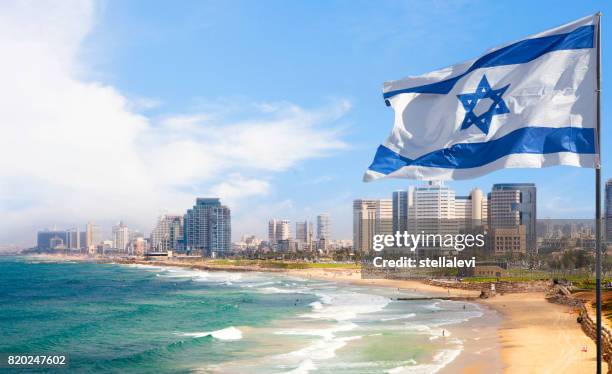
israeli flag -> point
(527, 104)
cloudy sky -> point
(125, 110)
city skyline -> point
(288, 228)
(133, 147)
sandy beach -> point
(531, 334)
(535, 336)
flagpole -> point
(598, 201)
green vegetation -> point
(276, 264)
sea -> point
(115, 318)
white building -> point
(167, 233)
(278, 229)
(304, 232)
(471, 211)
(323, 227)
(93, 236)
(370, 217)
(121, 237)
(433, 210)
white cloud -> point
(73, 150)
(236, 188)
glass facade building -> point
(513, 205)
(207, 228)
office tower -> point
(73, 239)
(207, 227)
(402, 203)
(51, 239)
(608, 212)
(513, 205)
(83, 240)
(303, 232)
(471, 211)
(167, 234)
(384, 217)
(433, 210)
(121, 237)
(278, 230)
(323, 227)
(370, 217)
(93, 236)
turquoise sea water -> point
(151, 319)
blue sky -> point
(228, 60)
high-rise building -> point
(608, 212)
(433, 210)
(303, 232)
(207, 227)
(370, 217)
(167, 234)
(513, 205)
(278, 230)
(93, 236)
(51, 239)
(402, 203)
(121, 237)
(73, 239)
(471, 211)
(323, 227)
(83, 240)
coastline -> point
(518, 333)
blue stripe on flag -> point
(538, 140)
(517, 53)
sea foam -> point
(229, 333)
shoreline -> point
(530, 334)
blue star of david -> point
(470, 100)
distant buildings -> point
(513, 205)
(402, 204)
(304, 232)
(51, 239)
(278, 230)
(207, 227)
(168, 233)
(434, 210)
(509, 212)
(323, 227)
(121, 237)
(93, 237)
(471, 211)
(73, 239)
(370, 217)
(608, 211)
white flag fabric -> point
(528, 104)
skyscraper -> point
(303, 232)
(433, 210)
(608, 211)
(323, 227)
(207, 227)
(93, 236)
(513, 205)
(121, 237)
(167, 234)
(278, 230)
(471, 211)
(370, 217)
(73, 237)
(402, 202)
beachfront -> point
(535, 336)
(528, 333)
